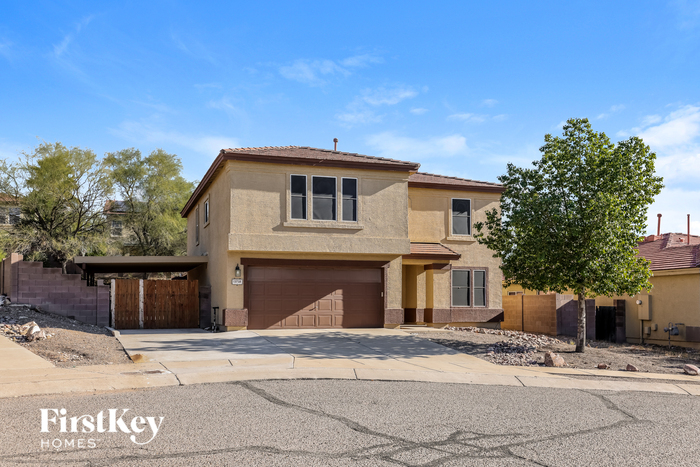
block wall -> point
(63, 294)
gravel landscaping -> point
(68, 343)
(523, 349)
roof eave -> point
(449, 186)
(246, 157)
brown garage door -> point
(289, 297)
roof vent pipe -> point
(688, 229)
(335, 144)
(658, 229)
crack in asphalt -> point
(387, 451)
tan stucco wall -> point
(674, 297)
(429, 221)
(212, 241)
(261, 221)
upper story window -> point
(298, 190)
(206, 212)
(9, 215)
(349, 186)
(117, 228)
(461, 292)
(324, 198)
(461, 216)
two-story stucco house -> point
(298, 237)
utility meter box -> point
(644, 308)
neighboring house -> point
(115, 211)
(674, 297)
(10, 212)
(298, 237)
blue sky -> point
(461, 87)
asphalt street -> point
(333, 423)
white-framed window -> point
(15, 214)
(117, 228)
(461, 216)
(349, 199)
(206, 212)
(461, 292)
(196, 225)
(324, 193)
(297, 188)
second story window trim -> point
(207, 215)
(324, 192)
(461, 217)
(298, 190)
(349, 198)
(196, 225)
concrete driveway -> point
(328, 348)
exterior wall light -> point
(639, 302)
(237, 273)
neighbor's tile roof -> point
(115, 207)
(431, 250)
(426, 180)
(671, 251)
(297, 155)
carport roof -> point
(107, 264)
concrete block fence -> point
(63, 294)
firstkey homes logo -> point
(86, 428)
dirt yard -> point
(516, 348)
(72, 343)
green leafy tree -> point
(153, 192)
(61, 192)
(573, 221)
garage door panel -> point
(298, 297)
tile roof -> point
(671, 251)
(431, 251)
(426, 180)
(297, 155)
(316, 154)
(115, 207)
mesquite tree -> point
(573, 221)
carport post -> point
(112, 293)
(140, 303)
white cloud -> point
(613, 109)
(679, 128)
(144, 133)
(6, 49)
(317, 72)
(384, 96)
(361, 61)
(389, 144)
(62, 47)
(311, 72)
(468, 117)
(489, 102)
(418, 111)
(500, 117)
(675, 204)
(350, 119)
(360, 110)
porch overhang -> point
(136, 264)
(431, 251)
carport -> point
(151, 304)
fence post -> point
(140, 303)
(112, 301)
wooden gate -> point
(153, 304)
